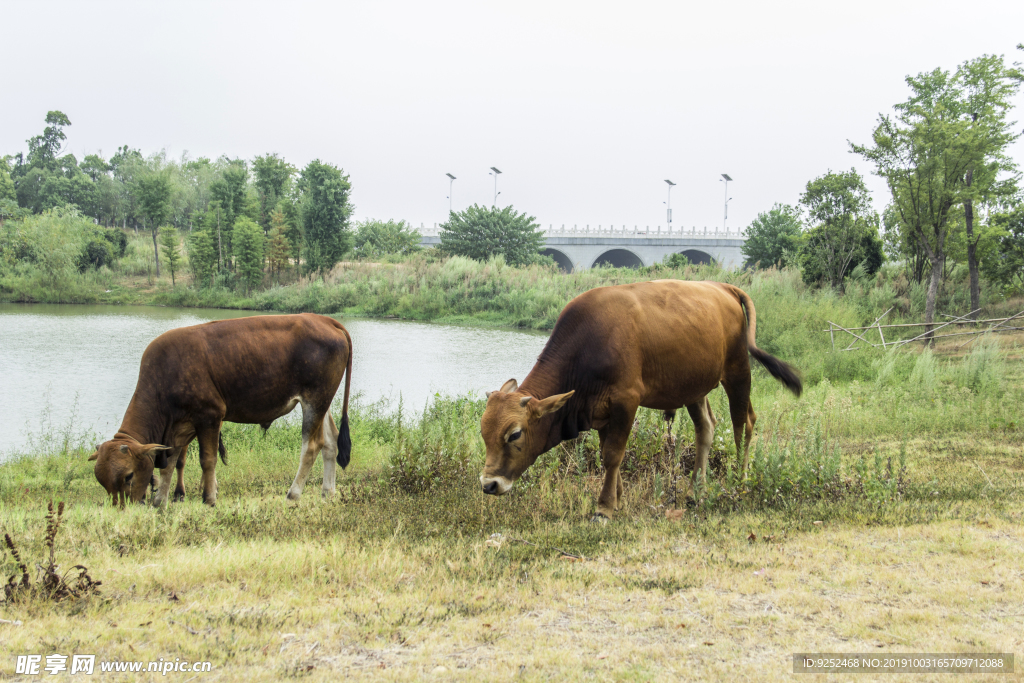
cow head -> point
(125, 467)
(510, 427)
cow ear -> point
(509, 386)
(94, 455)
(550, 404)
(156, 452)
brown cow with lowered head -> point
(661, 345)
(248, 370)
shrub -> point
(381, 238)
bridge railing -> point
(638, 231)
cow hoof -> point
(179, 495)
(327, 494)
(292, 495)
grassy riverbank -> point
(884, 514)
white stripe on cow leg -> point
(330, 454)
(160, 498)
(312, 441)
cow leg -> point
(179, 490)
(737, 388)
(312, 442)
(209, 437)
(330, 455)
(613, 447)
(160, 497)
(704, 432)
(670, 438)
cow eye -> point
(128, 477)
(515, 435)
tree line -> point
(955, 194)
(241, 218)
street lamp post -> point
(451, 179)
(495, 173)
(669, 203)
(725, 218)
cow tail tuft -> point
(344, 437)
(780, 370)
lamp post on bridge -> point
(725, 218)
(669, 203)
(495, 173)
(451, 179)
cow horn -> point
(524, 400)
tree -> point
(272, 177)
(43, 150)
(379, 238)
(924, 154)
(293, 229)
(155, 202)
(279, 250)
(839, 209)
(772, 236)
(172, 250)
(482, 232)
(202, 256)
(248, 247)
(325, 214)
(1007, 266)
(7, 191)
(230, 192)
(987, 88)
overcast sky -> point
(586, 107)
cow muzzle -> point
(495, 486)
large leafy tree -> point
(272, 176)
(838, 207)
(772, 236)
(987, 87)
(325, 215)
(45, 149)
(482, 232)
(924, 153)
(155, 202)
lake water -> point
(62, 364)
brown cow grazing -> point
(247, 370)
(661, 345)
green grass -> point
(883, 512)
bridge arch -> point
(561, 258)
(618, 258)
(698, 257)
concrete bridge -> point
(578, 249)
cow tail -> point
(780, 370)
(344, 437)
